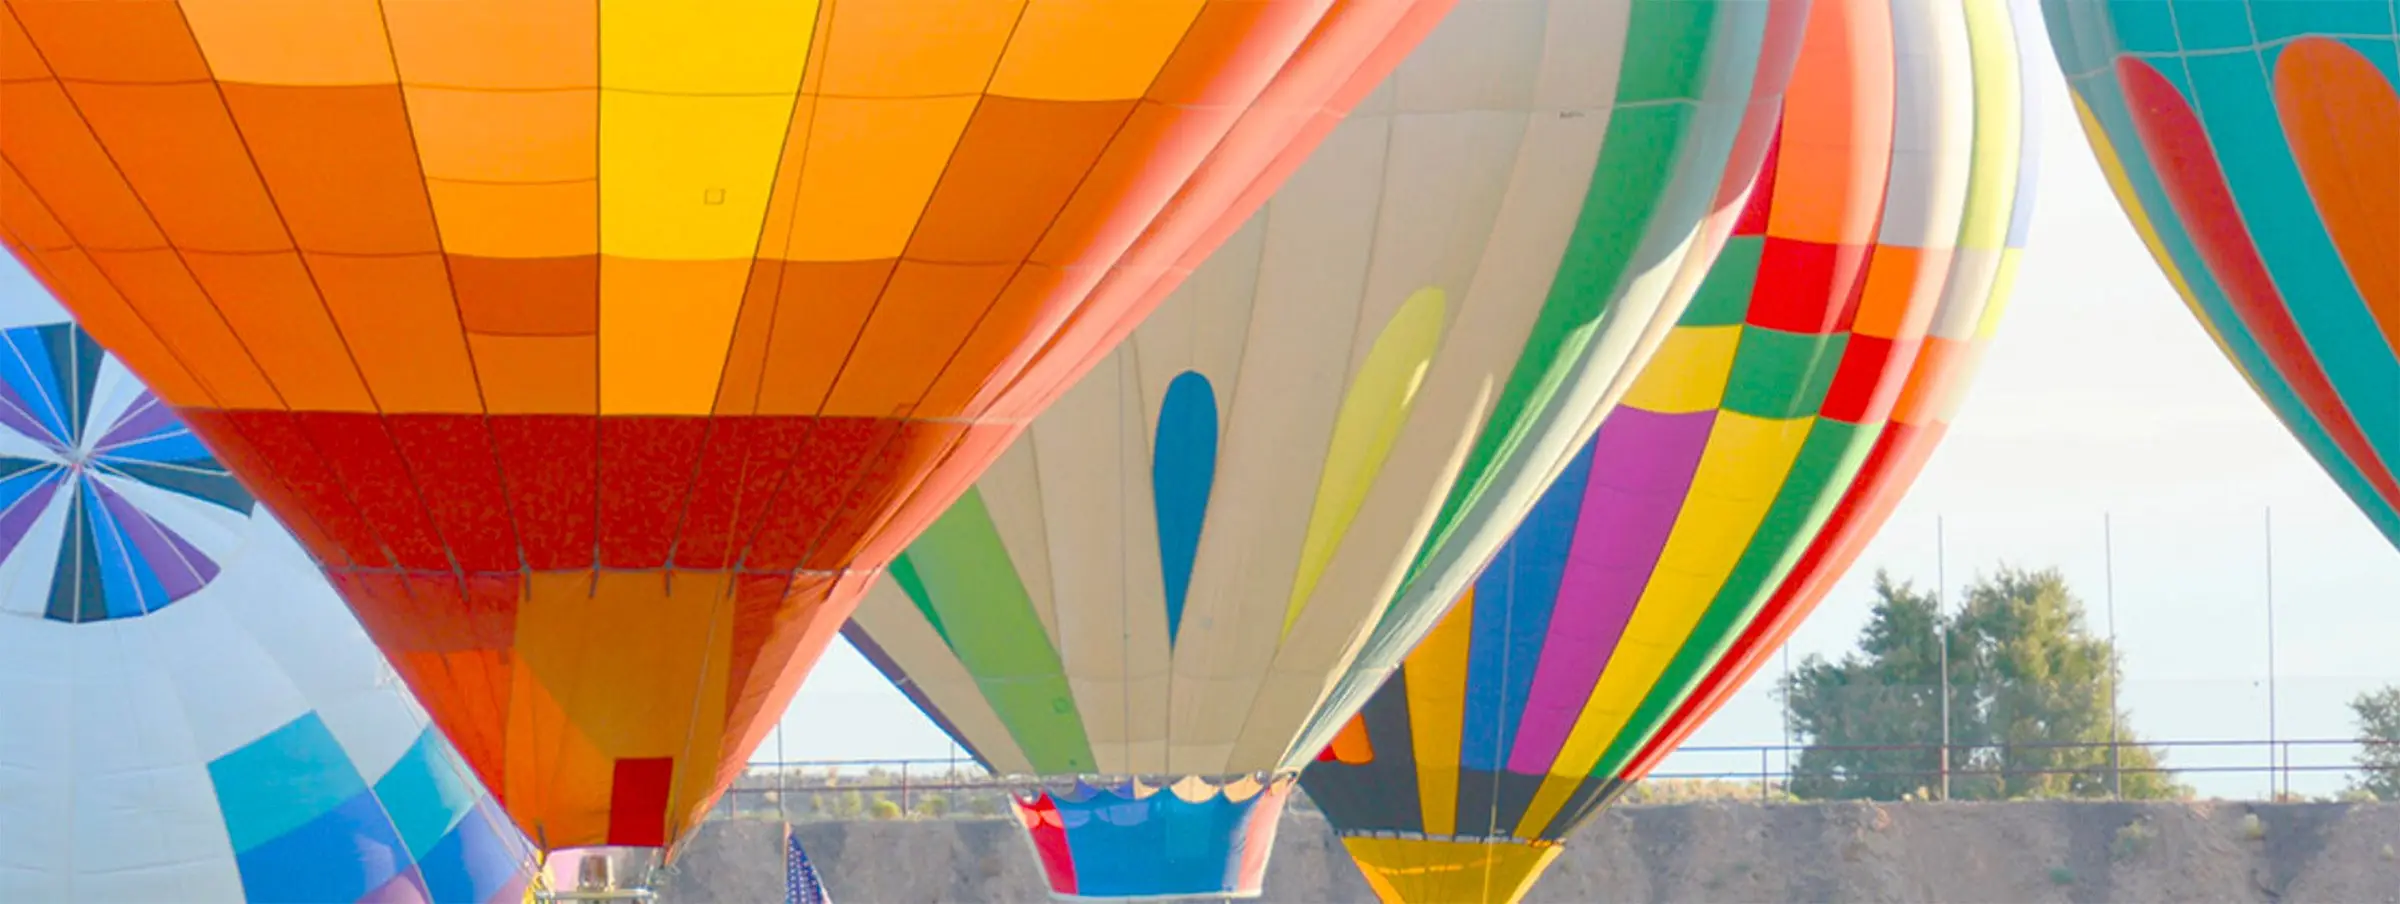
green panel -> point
(1668, 53)
(1779, 375)
(1724, 296)
(1821, 474)
(904, 573)
(964, 571)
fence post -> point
(904, 809)
(1762, 776)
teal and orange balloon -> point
(2252, 143)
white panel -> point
(1932, 128)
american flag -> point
(800, 882)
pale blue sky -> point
(2101, 396)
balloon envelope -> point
(1152, 599)
(1872, 254)
(603, 352)
(2251, 143)
(187, 712)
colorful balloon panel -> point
(2250, 144)
(1869, 257)
(1173, 572)
(604, 352)
(187, 712)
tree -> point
(2379, 730)
(2029, 701)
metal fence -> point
(953, 789)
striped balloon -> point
(1157, 601)
(1795, 398)
(2253, 145)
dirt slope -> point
(2069, 853)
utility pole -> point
(1941, 623)
(2108, 590)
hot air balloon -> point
(1143, 606)
(187, 712)
(1870, 256)
(604, 352)
(2251, 143)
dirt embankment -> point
(2068, 853)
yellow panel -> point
(687, 178)
(1424, 871)
(664, 329)
(486, 220)
(1373, 409)
(1746, 462)
(871, 166)
(888, 50)
(2004, 284)
(716, 47)
(638, 664)
(1092, 49)
(1999, 124)
(1689, 372)
(505, 136)
(293, 42)
(1437, 707)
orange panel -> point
(820, 308)
(518, 44)
(341, 164)
(163, 294)
(1938, 366)
(1019, 324)
(108, 317)
(1232, 37)
(885, 50)
(517, 221)
(557, 296)
(126, 41)
(179, 149)
(1897, 277)
(537, 374)
(293, 42)
(1158, 148)
(418, 361)
(1837, 120)
(1014, 169)
(20, 61)
(555, 780)
(923, 318)
(495, 136)
(1081, 50)
(869, 170)
(46, 142)
(271, 302)
(746, 356)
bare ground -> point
(2048, 852)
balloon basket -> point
(1135, 840)
(618, 875)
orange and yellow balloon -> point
(603, 352)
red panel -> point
(434, 612)
(379, 484)
(452, 457)
(549, 462)
(1753, 220)
(1867, 381)
(1040, 819)
(278, 442)
(1807, 287)
(646, 468)
(637, 801)
(736, 481)
(232, 449)
(809, 496)
(880, 486)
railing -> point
(945, 788)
